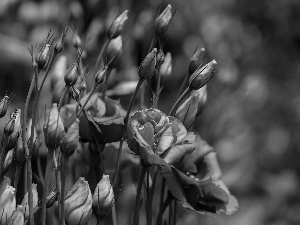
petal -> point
(147, 132)
(175, 153)
(165, 141)
(178, 129)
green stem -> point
(171, 213)
(148, 204)
(151, 194)
(125, 124)
(88, 98)
(47, 181)
(184, 94)
(63, 186)
(17, 175)
(183, 84)
(101, 54)
(161, 200)
(109, 70)
(175, 212)
(138, 196)
(39, 168)
(62, 97)
(2, 160)
(29, 189)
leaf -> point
(187, 112)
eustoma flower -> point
(152, 133)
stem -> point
(17, 175)
(148, 205)
(185, 79)
(184, 94)
(114, 215)
(138, 196)
(101, 54)
(151, 194)
(62, 97)
(157, 87)
(47, 181)
(29, 189)
(2, 160)
(171, 213)
(63, 186)
(175, 211)
(105, 82)
(88, 98)
(125, 124)
(161, 200)
(39, 167)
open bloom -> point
(151, 132)
(7, 204)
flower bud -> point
(43, 55)
(25, 201)
(78, 203)
(117, 26)
(12, 129)
(163, 21)
(53, 129)
(57, 78)
(103, 197)
(166, 70)
(202, 75)
(100, 75)
(59, 46)
(148, 66)
(114, 51)
(8, 160)
(70, 141)
(19, 152)
(4, 105)
(196, 61)
(17, 217)
(72, 73)
(202, 98)
(77, 41)
(7, 204)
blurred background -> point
(252, 116)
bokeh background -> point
(252, 116)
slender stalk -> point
(29, 189)
(109, 70)
(125, 124)
(88, 98)
(161, 200)
(47, 181)
(39, 168)
(175, 212)
(171, 213)
(148, 205)
(150, 195)
(138, 195)
(101, 54)
(185, 80)
(17, 175)
(2, 160)
(114, 215)
(63, 186)
(184, 94)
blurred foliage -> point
(253, 111)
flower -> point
(78, 203)
(103, 197)
(163, 21)
(148, 66)
(12, 129)
(70, 141)
(53, 129)
(118, 25)
(7, 204)
(17, 216)
(25, 201)
(151, 132)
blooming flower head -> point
(151, 132)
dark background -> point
(253, 111)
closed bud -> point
(53, 129)
(59, 45)
(7, 204)
(166, 69)
(18, 216)
(4, 105)
(103, 197)
(72, 73)
(148, 66)
(114, 51)
(196, 61)
(78, 203)
(202, 75)
(70, 141)
(43, 55)
(19, 152)
(100, 75)
(12, 129)
(35, 201)
(77, 41)
(163, 21)
(8, 160)
(118, 25)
